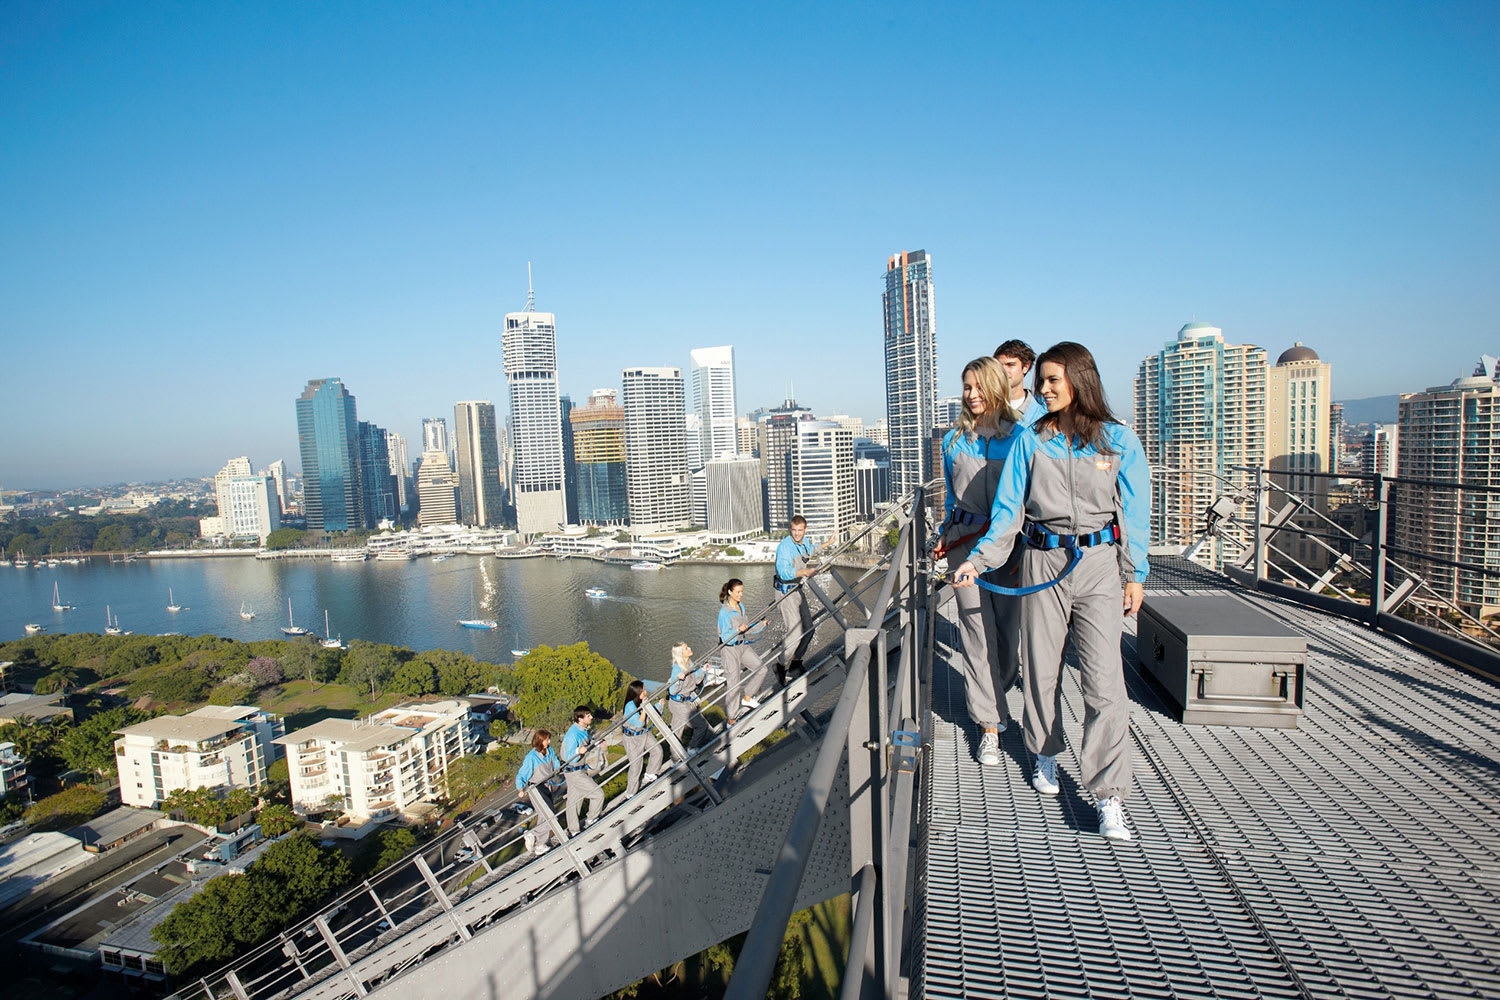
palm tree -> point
(60, 680)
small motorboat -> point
(595, 592)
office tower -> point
(395, 446)
(1449, 434)
(872, 486)
(248, 507)
(328, 438)
(694, 425)
(1200, 410)
(537, 477)
(375, 472)
(823, 477)
(949, 409)
(698, 483)
(277, 471)
(1299, 394)
(910, 367)
(480, 502)
(570, 460)
(711, 380)
(599, 457)
(734, 510)
(880, 432)
(1386, 439)
(1335, 436)
(854, 425)
(778, 439)
(435, 435)
(437, 490)
(746, 436)
(656, 471)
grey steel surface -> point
(1357, 856)
(1211, 620)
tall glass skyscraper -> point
(479, 497)
(599, 459)
(328, 436)
(570, 462)
(711, 381)
(375, 474)
(530, 348)
(910, 367)
(656, 467)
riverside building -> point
(437, 490)
(375, 473)
(657, 488)
(328, 438)
(213, 747)
(537, 478)
(911, 360)
(599, 457)
(734, 509)
(479, 499)
(711, 377)
(248, 507)
(823, 478)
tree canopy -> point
(90, 745)
(549, 682)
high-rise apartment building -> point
(537, 477)
(746, 436)
(1299, 396)
(949, 409)
(479, 499)
(872, 486)
(880, 432)
(277, 471)
(711, 381)
(232, 468)
(570, 460)
(437, 490)
(656, 468)
(1451, 434)
(823, 478)
(333, 496)
(599, 457)
(778, 439)
(734, 510)
(1381, 453)
(910, 367)
(248, 507)
(435, 434)
(375, 472)
(1200, 410)
(395, 449)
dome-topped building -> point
(1297, 352)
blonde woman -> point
(973, 454)
(682, 695)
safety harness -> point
(1040, 538)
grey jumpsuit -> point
(641, 747)
(744, 673)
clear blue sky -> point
(204, 205)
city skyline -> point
(355, 206)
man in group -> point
(792, 554)
(1016, 358)
(576, 747)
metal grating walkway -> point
(1357, 856)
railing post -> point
(1377, 549)
(1262, 507)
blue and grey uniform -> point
(744, 673)
(990, 623)
(640, 746)
(682, 698)
(581, 787)
(796, 616)
(1051, 484)
(1033, 411)
(541, 769)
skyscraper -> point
(778, 439)
(1449, 434)
(400, 472)
(656, 468)
(599, 457)
(823, 477)
(711, 378)
(1200, 410)
(479, 498)
(1299, 391)
(733, 498)
(530, 348)
(435, 435)
(910, 367)
(328, 438)
(570, 460)
(437, 490)
(277, 471)
(375, 473)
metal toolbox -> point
(1222, 661)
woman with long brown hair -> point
(990, 624)
(1076, 491)
(541, 768)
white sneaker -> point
(748, 702)
(989, 749)
(1044, 778)
(541, 849)
(529, 839)
(1112, 819)
(647, 778)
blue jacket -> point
(967, 472)
(1071, 491)
(730, 623)
(573, 739)
(1035, 410)
(633, 717)
(529, 765)
(787, 552)
(684, 682)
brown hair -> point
(996, 388)
(1089, 411)
(1016, 349)
(796, 520)
(724, 590)
(540, 738)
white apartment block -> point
(216, 746)
(657, 488)
(734, 502)
(823, 478)
(711, 375)
(530, 348)
(12, 772)
(381, 765)
(249, 503)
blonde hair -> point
(678, 655)
(990, 378)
